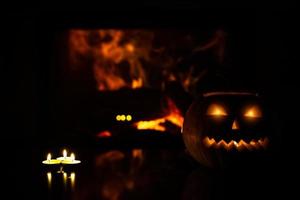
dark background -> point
(263, 48)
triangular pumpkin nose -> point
(235, 125)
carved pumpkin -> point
(220, 125)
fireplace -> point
(110, 82)
(106, 77)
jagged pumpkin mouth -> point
(254, 144)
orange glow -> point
(137, 153)
(108, 53)
(151, 125)
(253, 112)
(130, 47)
(174, 116)
(104, 134)
(109, 157)
(235, 125)
(137, 83)
(176, 119)
(216, 110)
(240, 145)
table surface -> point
(139, 173)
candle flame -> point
(72, 156)
(64, 153)
(49, 157)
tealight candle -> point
(50, 161)
(71, 160)
(64, 157)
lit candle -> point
(70, 160)
(72, 157)
(64, 157)
(65, 153)
(50, 161)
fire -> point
(130, 58)
(115, 55)
(137, 83)
(174, 116)
(151, 125)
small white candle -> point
(70, 160)
(50, 161)
(49, 157)
(64, 157)
(72, 157)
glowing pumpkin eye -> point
(216, 110)
(253, 112)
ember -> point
(173, 116)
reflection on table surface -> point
(137, 173)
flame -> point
(174, 116)
(49, 156)
(127, 58)
(64, 153)
(72, 156)
(114, 55)
(137, 83)
(241, 145)
(151, 125)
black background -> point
(264, 43)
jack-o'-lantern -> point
(219, 125)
